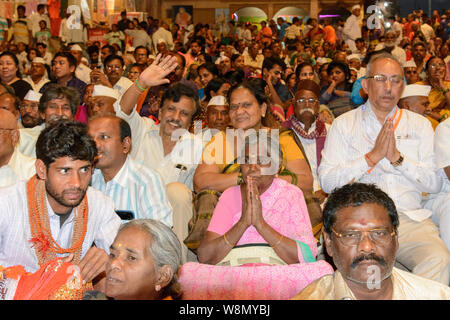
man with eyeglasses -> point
(410, 71)
(393, 148)
(14, 166)
(310, 130)
(361, 235)
(113, 75)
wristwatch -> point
(398, 162)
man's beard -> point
(60, 197)
(32, 123)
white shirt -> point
(48, 58)
(19, 167)
(15, 234)
(83, 72)
(353, 134)
(292, 32)
(140, 38)
(397, 52)
(164, 34)
(37, 86)
(122, 85)
(310, 149)
(442, 152)
(177, 166)
(28, 139)
(352, 29)
(397, 27)
(138, 189)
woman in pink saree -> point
(259, 243)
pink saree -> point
(284, 208)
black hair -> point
(337, 64)
(355, 195)
(38, 54)
(177, 90)
(271, 62)
(213, 85)
(427, 65)
(70, 58)
(16, 61)
(112, 57)
(255, 86)
(110, 47)
(234, 77)
(211, 67)
(40, 6)
(65, 138)
(299, 68)
(142, 47)
(56, 91)
(125, 129)
(92, 49)
(41, 44)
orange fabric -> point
(141, 100)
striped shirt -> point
(136, 188)
(15, 247)
(3, 28)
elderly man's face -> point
(418, 104)
(101, 105)
(384, 96)
(306, 106)
(57, 109)
(161, 47)
(419, 53)
(37, 70)
(29, 112)
(130, 271)
(217, 117)
(361, 243)
(9, 135)
(411, 75)
(114, 70)
(7, 103)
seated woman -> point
(219, 169)
(339, 89)
(143, 263)
(440, 89)
(259, 243)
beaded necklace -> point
(45, 246)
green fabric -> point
(306, 252)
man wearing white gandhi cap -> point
(415, 99)
(38, 74)
(103, 99)
(82, 71)
(352, 29)
(410, 71)
(29, 110)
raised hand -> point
(155, 74)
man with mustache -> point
(361, 235)
(29, 110)
(55, 213)
(57, 102)
(133, 186)
(393, 148)
(390, 45)
(168, 148)
(309, 128)
(113, 76)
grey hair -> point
(165, 249)
(56, 91)
(382, 55)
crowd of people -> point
(182, 163)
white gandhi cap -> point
(410, 64)
(32, 96)
(413, 90)
(76, 47)
(38, 60)
(104, 91)
(218, 101)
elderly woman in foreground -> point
(143, 263)
(259, 243)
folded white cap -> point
(161, 41)
(104, 91)
(353, 56)
(221, 59)
(38, 60)
(410, 64)
(32, 96)
(76, 47)
(130, 49)
(218, 101)
(356, 6)
(322, 60)
(412, 90)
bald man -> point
(10, 103)
(14, 166)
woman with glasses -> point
(259, 237)
(440, 89)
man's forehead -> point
(69, 162)
(59, 100)
(366, 214)
(184, 103)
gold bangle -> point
(226, 240)
(278, 242)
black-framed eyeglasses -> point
(353, 237)
(303, 101)
(382, 79)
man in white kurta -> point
(352, 29)
(392, 148)
(439, 203)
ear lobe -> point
(41, 169)
(165, 275)
(126, 145)
(264, 109)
